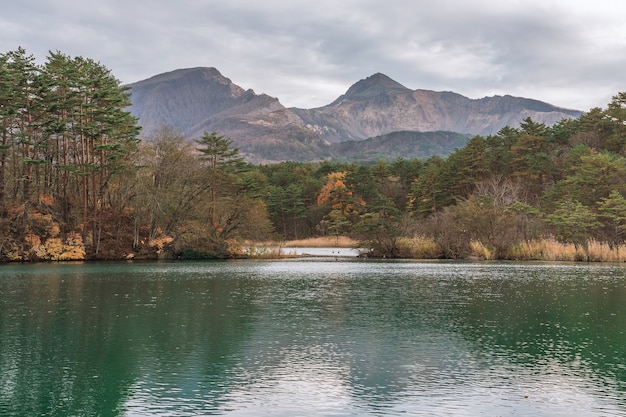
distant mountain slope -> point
(199, 100)
(395, 145)
(196, 100)
(378, 105)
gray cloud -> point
(307, 53)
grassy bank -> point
(420, 247)
(551, 250)
(537, 250)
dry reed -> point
(551, 250)
(418, 247)
(481, 251)
(322, 242)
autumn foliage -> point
(79, 181)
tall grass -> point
(418, 247)
(479, 250)
(322, 242)
(551, 250)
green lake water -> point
(313, 337)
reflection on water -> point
(324, 252)
(312, 337)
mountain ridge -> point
(201, 99)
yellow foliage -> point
(160, 242)
(14, 255)
(54, 229)
(72, 253)
(336, 176)
(74, 249)
(53, 249)
(45, 222)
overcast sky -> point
(308, 52)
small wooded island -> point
(77, 181)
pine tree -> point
(222, 160)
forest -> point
(79, 181)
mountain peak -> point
(199, 74)
(374, 85)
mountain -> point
(378, 105)
(198, 100)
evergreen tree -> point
(65, 133)
(616, 114)
(428, 191)
(222, 159)
(612, 211)
(574, 223)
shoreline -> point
(546, 250)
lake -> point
(313, 337)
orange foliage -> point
(334, 181)
(32, 239)
(74, 239)
(46, 199)
(15, 210)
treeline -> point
(65, 139)
(533, 192)
(76, 182)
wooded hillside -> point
(77, 183)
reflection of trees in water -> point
(117, 340)
(572, 316)
(75, 345)
(376, 339)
